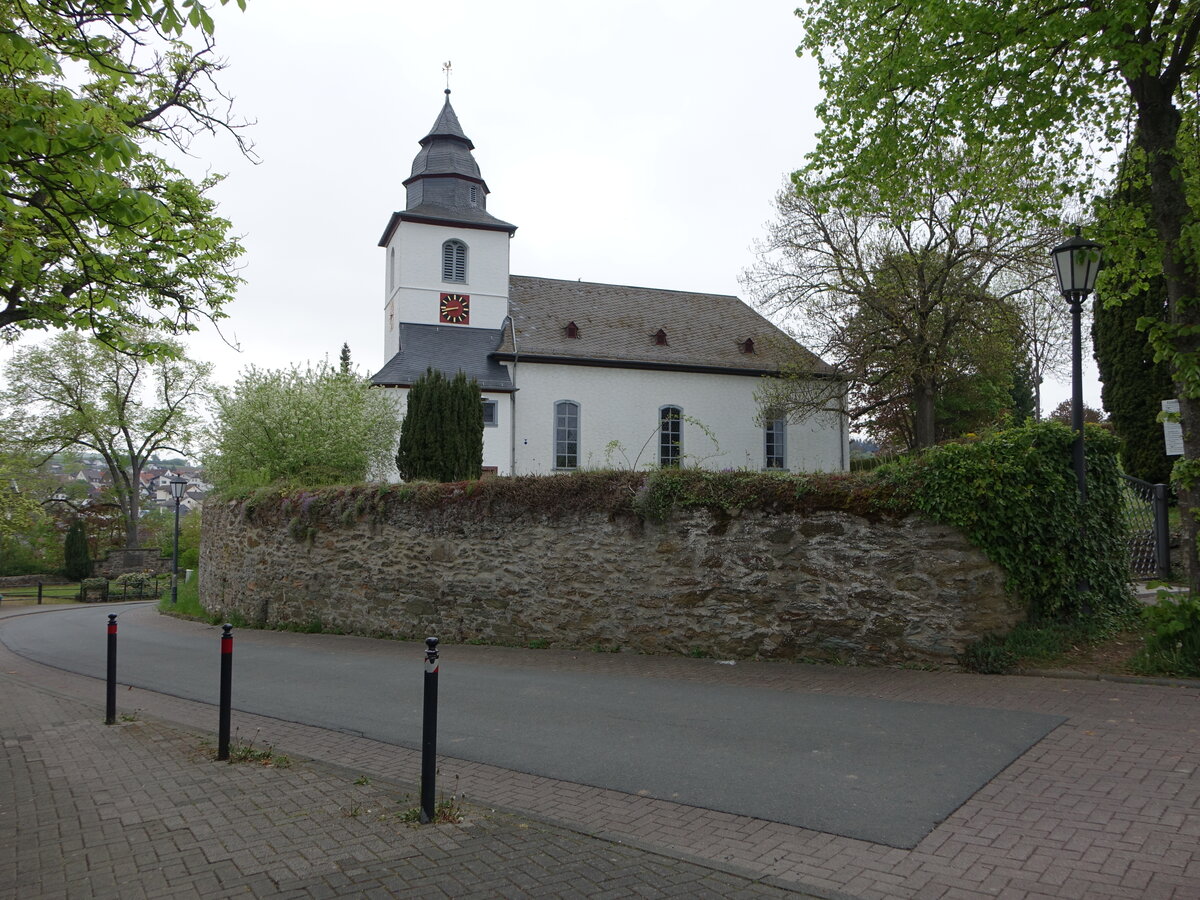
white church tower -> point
(446, 256)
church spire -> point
(445, 186)
(444, 173)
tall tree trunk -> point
(1158, 129)
(924, 420)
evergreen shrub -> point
(441, 437)
(1013, 493)
(77, 564)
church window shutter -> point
(454, 262)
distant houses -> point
(155, 484)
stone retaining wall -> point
(825, 585)
(140, 559)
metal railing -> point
(1149, 529)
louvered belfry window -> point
(454, 262)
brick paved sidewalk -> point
(1107, 805)
(140, 809)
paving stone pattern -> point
(1107, 805)
(141, 809)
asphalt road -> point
(878, 770)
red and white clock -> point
(455, 309)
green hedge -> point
(1014, 495)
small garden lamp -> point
(178, 486)
(1076, 262)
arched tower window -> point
(454, 261)
(670, 437)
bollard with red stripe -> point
(429, 731)
(110, 705)
(226, 691)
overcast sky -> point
(634, 142)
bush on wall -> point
(1014, 495)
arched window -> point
(670, 437)
(566, 434)
(775, 443)
(454, 261)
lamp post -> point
(178, 486)
(1076, 262)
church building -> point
(576, 374)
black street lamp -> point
(178, 486)
(1076, 262)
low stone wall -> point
(140, 559)
(825, 585)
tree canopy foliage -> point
(442, 435)
(76, 392)
(1049, 92)
(98, 231)
(918, 317)
(299, 427)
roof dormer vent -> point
(572, 330)
(747, 345)
(660, 338)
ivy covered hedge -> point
(1012, 493)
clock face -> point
(455, 309)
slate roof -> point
(449, 349)
(445, 187)
(617, 325)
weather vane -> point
(447, 68)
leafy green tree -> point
(20, 507)
(77, 563)
(441, 438)
(75, 392)
(98, 231)
(299, 427)
(1133, 384)
(1062, 414)
(158, 530)
(1023, 398)
(1041, 93)
(910, 315)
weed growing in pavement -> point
(539, 644)
(446, 811)
(362, 780)
(241, 751)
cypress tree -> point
(1133, 384)
(441, 438)
(76, 562)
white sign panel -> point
(1172, 431)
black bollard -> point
(429, 731)
(226, 691)
(110, 706)
(39, 593)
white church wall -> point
(622, 406)
(413, 277)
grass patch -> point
(51, 593)
(1031, 646)
(188, 605)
